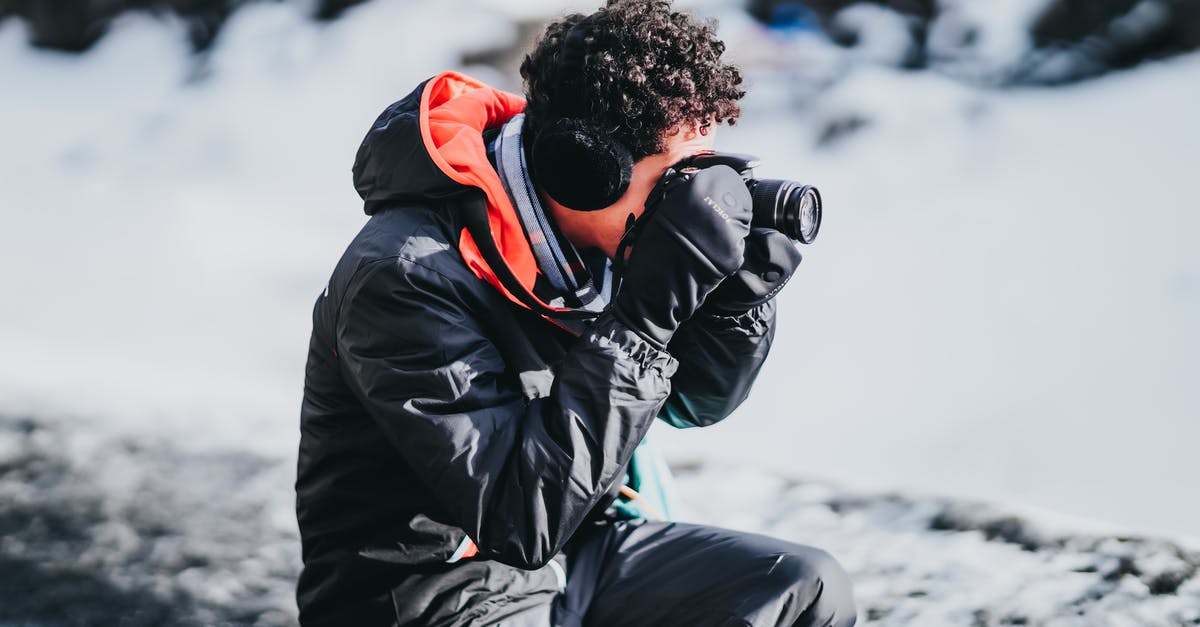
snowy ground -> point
(140, 532)
(918, 560)
(1002, 306)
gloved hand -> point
(769, 262)
(690, 241)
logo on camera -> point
(717, 208)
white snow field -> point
(1002, 307)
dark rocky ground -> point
(927, 560)
(114, 532)
(134, 534)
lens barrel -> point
(786, 206)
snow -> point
(982, 39)
(882, 35)
(1002, 304)
(174, 219)
(1002, 300)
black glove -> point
(769, 262)
(687, 243)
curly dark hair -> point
(647, 71)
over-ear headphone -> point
(576, 160)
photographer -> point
(528, 295)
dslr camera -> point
(789, 207)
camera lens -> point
(788, 207)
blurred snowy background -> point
(1003, 305)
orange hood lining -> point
(455, 109)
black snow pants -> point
(638, 573)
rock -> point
(1063, 41)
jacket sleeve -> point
(719, 359)
(517, 475)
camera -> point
(789, 207)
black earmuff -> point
(581, 166)
(576, 161)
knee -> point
(819, 587)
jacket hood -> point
(429, 146)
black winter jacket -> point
(437, 406)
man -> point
(523, 302)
